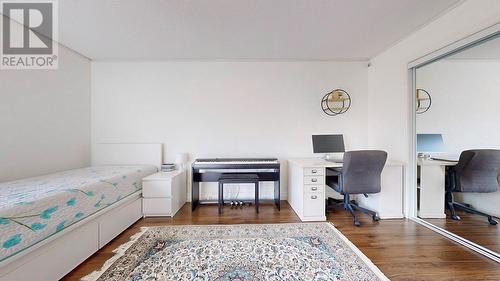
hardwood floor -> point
(472, 227)
(402, 249)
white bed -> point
(61, 236)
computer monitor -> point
(429, 143)
(328, 143)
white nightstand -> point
(164, 193)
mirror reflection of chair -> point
(477, 171)
(361, 174)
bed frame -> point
(57, 255)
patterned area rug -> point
(306, 251)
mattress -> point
(34, 209)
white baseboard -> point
(432, 215)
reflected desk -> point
(431, 188)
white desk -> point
(307, 189)
(432, 188)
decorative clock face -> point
(424, 101)
(336, 102)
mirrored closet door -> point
(458, 143)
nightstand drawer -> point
(156, 188)
(313, 171)
(157, 206)
(314, 180)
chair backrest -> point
(478, 171)
(362, 171)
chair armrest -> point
(450, 179)
(334, 171)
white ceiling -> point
(237, 29)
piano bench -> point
(233, 178)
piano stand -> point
(195, 195)
(235, 179)
(277, 200)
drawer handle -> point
(314, 171)
(314, 180)
(314, 197)
(314, 188)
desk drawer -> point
(314, 171)
(318, 180)
(314, 204)
(320, 188)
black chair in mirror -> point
(477, 171)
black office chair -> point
(477, 171)
(361, 174)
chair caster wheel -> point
(357, 223)
(375, 217)
(455, 218)
(492, 221)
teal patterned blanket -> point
(35, 208)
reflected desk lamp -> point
(328, 144)
(429, 143)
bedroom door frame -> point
(411, 192)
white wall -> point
(465, 100)
(465, 110)
(388, 76)
(226, 109)
(45, 118)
